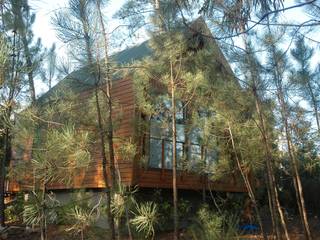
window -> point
(189, 153)
(155, 153)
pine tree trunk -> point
(4, 160)
(294, 166)
(110, 120)
(270, 205)
(6, 142)
(174, 157)
(275, 204)
(315, 105)
(109, 98)
(104, 166)
(100, 126)
(248, 185)
(128, 224)
(43, 223)
(271, 184)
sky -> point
(43, 28)
(45, 9)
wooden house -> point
(150, 170)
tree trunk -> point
(6, 143)
(271, 184)
(104, 166)
(294, 166)
(100, 124)
(315, 106)
(174, 156)
(128, 223)
(43, 222)
(110, 121)
(4, 160)
(247, 184)
(268, 153)
(270, 173)
(109, 99)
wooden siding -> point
(92, 176)
(131, 172)
(158, 178)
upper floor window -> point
(189, 149)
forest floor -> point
(15, 232)
(18, 233)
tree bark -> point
(294, 164)
(43, 222)
(294, 167)
(110, 120)
(270, 173)
(109, 99)
(271, 184)
(100, 123)
(247, 184)
(6, 142)
(174, 156)
(315, 105)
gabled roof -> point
(81, 79)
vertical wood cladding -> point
(125, 116)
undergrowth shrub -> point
(209, 225)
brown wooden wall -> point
(126, 116)
(157, 178)
(92, 177)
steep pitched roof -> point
(81, 79)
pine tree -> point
(77, 26)
(171, 90)
(255, 83)
(14, 69)
(58, 152)
(303, 77)
(49, 72)
(9, 88)
(277, 65)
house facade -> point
(151, 165)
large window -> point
(189, 150)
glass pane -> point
(155, 153)
(211, 156)
(179, 154)
(195, 154)
(168, 154)
(155, 129)
(180, 133)
(179, 113)
(195, 136)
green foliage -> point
(64, 151)
(37, 209)
(145, 218)
(127, 150)
(80, 219)
(14, 210)
(123, 200)
(82, 212)
(213, 226)
(76, 26)
(4, 59)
